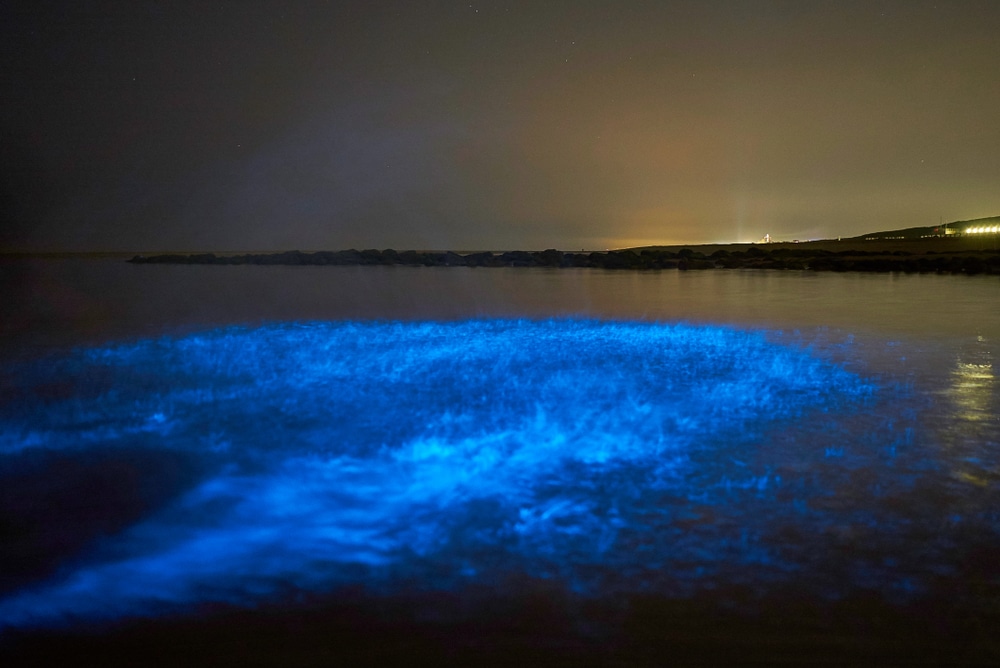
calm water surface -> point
(54, 302)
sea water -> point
(173, 436)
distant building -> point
(983, 229)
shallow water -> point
(176, 435)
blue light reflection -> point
(609, 456)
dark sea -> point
(306, 465)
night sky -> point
(251, 125)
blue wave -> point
(608, 456)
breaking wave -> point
(608, 456)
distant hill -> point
(910, 233)
(947, 249)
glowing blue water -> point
(607, 456)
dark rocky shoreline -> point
(802, 257)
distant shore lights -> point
(983, 229)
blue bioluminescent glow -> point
(608, 456)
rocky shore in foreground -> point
(782, 256)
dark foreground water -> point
(306, 464)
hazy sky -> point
(250, 125)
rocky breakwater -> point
(754, 257)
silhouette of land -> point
(946, 249)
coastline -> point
(970, 256)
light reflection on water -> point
(969, 432)
(839, 449)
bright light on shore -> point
(983, 229)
